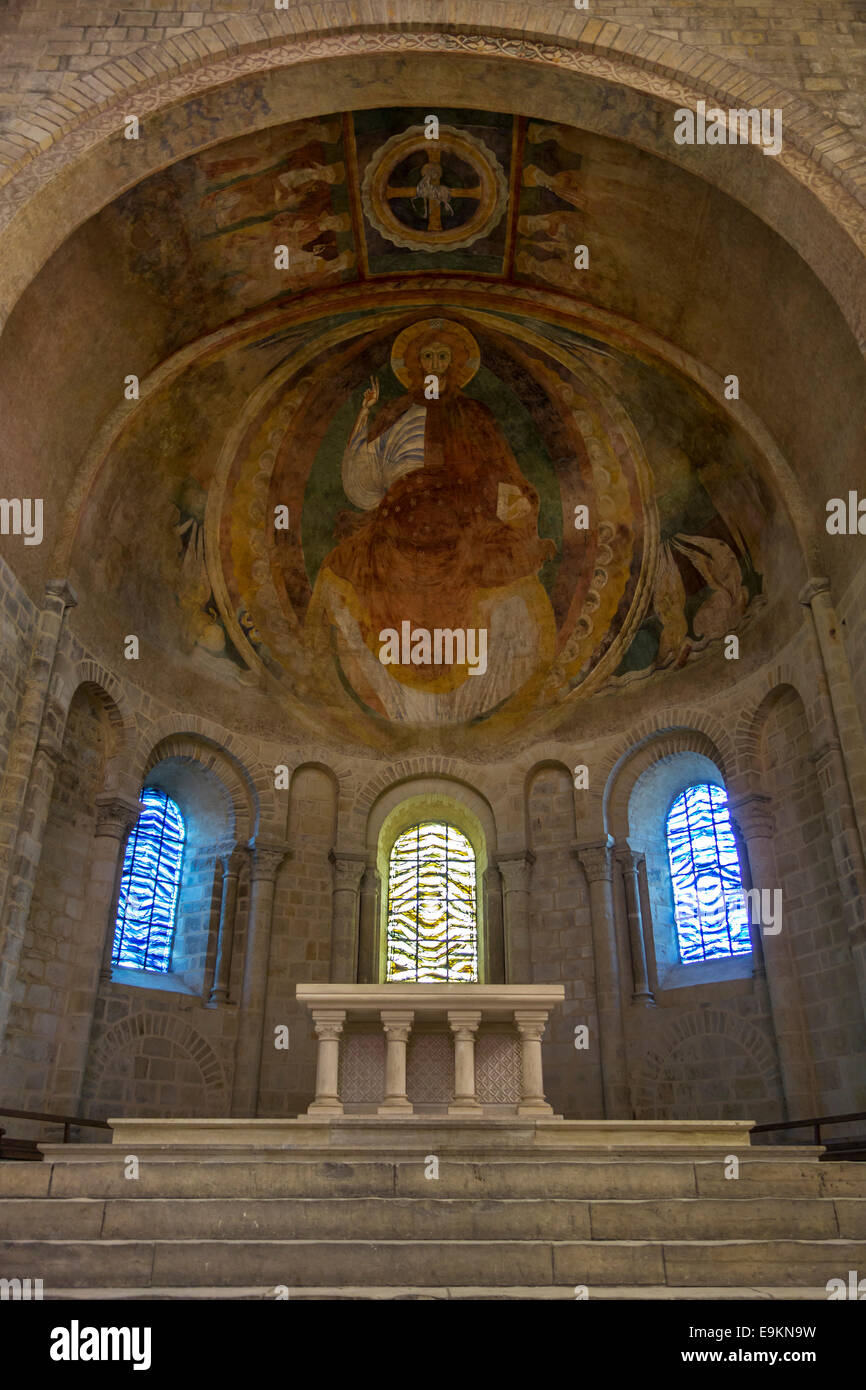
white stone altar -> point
(461, 1050)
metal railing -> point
(24, 1148)
(815, 1122)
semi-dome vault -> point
(301, 514)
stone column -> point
(464, 1025)
(759, 972)
(516, 870)
(265, 865)
(630, 863)
(232, 863)
(596, 861)
(841, 766)
(27, 788)
(397, 1025)
(531, 1025)
(754, 819)
(328, 1024)
(115, 818)
(348, 872)
(494, 957)
(368, 972)
(837, 693)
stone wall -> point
(811, 47)
(16, 638)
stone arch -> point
(681, 729)
(107, 690)
(530, 788)
(631, 769)
(225, 769)
(252, 781)
(405, 803)
(687, 1070)
(397, 773)
(307, 772)
(145, 1037)
(627, 57)
(777, 683)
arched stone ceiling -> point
(569, 397)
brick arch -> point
(635, 764)
(671, 726)
(106, 689)
(538, 766)
(54, 144)
(779, 681)
(425, 765)
(128, 1039)
(224, 768)
(343, 778)
(673, 1063)
(256, 777)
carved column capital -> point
(628, 859)
(596, 860)
(464, 1022)
(530, 1025)
(233, 860)
(397, 1024)
(349, 869)
(516, 870)
(328, 1024)
(116, 815)
(267, 856)
(754, 816)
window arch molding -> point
(650, 800)
(435, 799)
(206, 806)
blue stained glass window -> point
(709, 904)
(149, 886)
(432, 918)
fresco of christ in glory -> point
(447, 537)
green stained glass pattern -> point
(432, 916)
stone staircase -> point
(366, 1222)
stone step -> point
(273, 1176)
(500, 1293)
(411, 1264)
(430, 1218)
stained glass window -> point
(149, 886)
(432, 917)
(709, 904)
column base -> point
(325, 1107)
(533, 1107)
(396, 1107)
(465, 1107)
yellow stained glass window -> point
(432, 913)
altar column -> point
(328, 1024)
(464, 1025)
(531, 1027)
(397, 1027)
